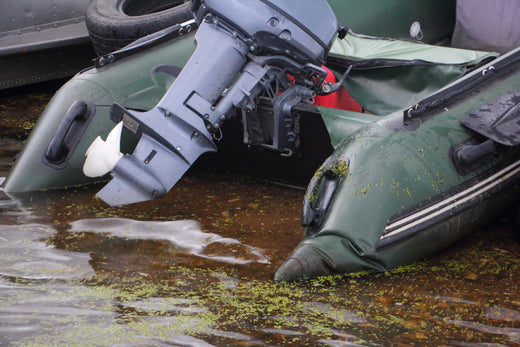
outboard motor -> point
(272, 48)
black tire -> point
(113, 24)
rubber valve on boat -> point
(102, 156)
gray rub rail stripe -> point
(451, 202)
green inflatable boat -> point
(410, 129)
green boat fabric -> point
(358, 47)
(390, 75)
(392, 18)
(342, 123)
(393, 176)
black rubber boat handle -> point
(470, 154)
(320, 192)
(68, 134)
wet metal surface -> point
(195, 268)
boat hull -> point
(136, 82)
(403, 196)
(42, 40)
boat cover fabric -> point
(342, 123)
(358, 48)
(487, 25)
(390, 75)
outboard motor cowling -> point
(300, 29)
(244, 49)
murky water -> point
(195, 268)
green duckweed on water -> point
(430, 301)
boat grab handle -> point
(68, 134)
(320, 192)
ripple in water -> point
(186, 235)
(23, 254)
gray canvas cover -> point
(488, 25)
